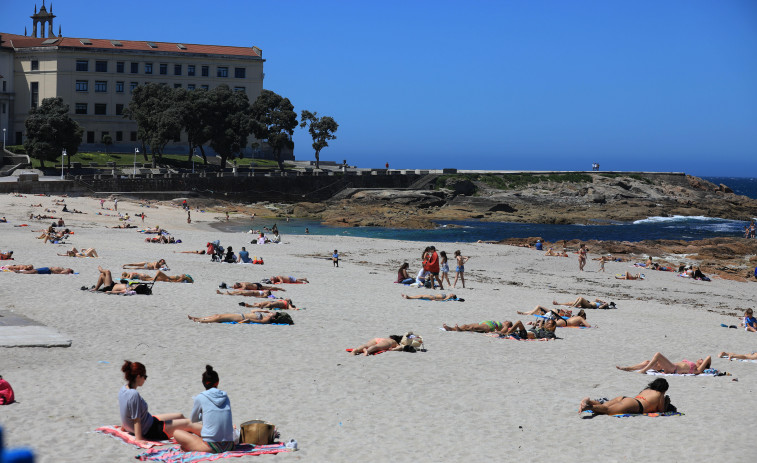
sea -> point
(652, 228)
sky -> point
(643, 85)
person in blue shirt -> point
(213, 408)
(538, 245)
(244, 256)
(750, 323)
(335, 258)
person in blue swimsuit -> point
(47, 271)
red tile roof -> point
(20, 41)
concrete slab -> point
(19, 331)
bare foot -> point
(218, 291)
(194, 319)
(555, 303)
(585, 405)
(447, 328)
(624, 368)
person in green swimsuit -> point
(487, 326)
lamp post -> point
(62, 163)
(136, 151)
(3, 139)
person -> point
(6, 255)
(135, 417)
(254, 285)
(147, 265)
(125, 225)
(487, 326)
(553, 253)
(549, 313)
(750, 323)
(578, 320)
(261, 238)
(3, 220)
(258, 316)
(581, 257)
(102, 202)
(281, 304)
(247, 293)
(444, 267)
(230, 258)
(538, 246)
(227, 216)
(432, 266)
(544, 329)
(602, 261)
(278, 279)
(18, 267)
(335, 258)
(650, 400)
(660, 363)
(105, 283)
(460, 269)
(402, 275)
(143, 218)
(584, 303)
(159, 276)
(115, 204)
(276, 238)
(629, 276)
(244, 256)
(73, 252)
(191, 252)
(184, 205)
(699, 275)
(47, 271)
(732, 355)
(422, 273)
(379, 344)
(213, 408)
(434, 297)
(189, 216)
(307, 231)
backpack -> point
(143, 289)
(282, 318)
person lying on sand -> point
(552, 252)
(587, 304)
(125, 225)
(544, 329)
(650, 400)
(18, 267)
(147, 265)
(247, 293)
(285, 279)
(259, 286)
(190, 252)
(629, 276)
(434, 297)
(487, 326)
(48, 271)
(254, 316)
(663, 365)
(73, 252)
(282, 304)
(541, 310)
(160, 276)
(105, 283)
(732, 355)
(379, 344)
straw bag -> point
(257, 432)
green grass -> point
(180, 161)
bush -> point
(16, 149)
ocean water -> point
(677, 227)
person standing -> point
(115, 204)
(432, 265)
(582, 257)
(460, 269)
(189, 216)
(335, 258)
(102, 202)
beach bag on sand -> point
(412, 340)
(6, 392)
(257, 432)
(143, 288)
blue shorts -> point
(44, 271)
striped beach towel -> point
(117, 432)
(176, 455)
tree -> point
(274, 120)
(157, 109)
(195, 120)
(321, 129)
(107, 141)
(50, 130)
(228, 121)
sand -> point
(468, 398)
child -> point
(335, 258)
(602, 264)
(460, 268)
(750, 323)
(444, 267)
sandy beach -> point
(468, 398)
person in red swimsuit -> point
(650, 400)
(660, 363)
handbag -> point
(257, 432)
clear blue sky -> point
(661, 85)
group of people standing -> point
(434, 268)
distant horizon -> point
(518, 85)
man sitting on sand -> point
(251, 285)
(160, 276)
(147, 265)
(73, 252)
(435, 297)
(487, 326)
(285, 279)
(587, 304)
(46, 271)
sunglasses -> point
(144, 376)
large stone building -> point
(95, 77)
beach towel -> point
(375, 353)
(707, 372)
(176, 455)
(631, 415)
(117, 432)
(261, 324)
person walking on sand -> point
(460, 269)
(444, 267)
(335, 258)
(189, 216)
(582, 257)
(602, 261)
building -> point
(95, 77)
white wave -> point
(684, 218)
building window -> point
(3, 108)
(82, 65)
(177, 69)
(90, 137)
(80, 108)
(222, 71)
(133, 136)
(148, 68)
(120, 67)
(190, 86)
(35, 65)
(119, 135)
(204, 87)
(82, 85)
(134, 68)
(101, 85)
(132, 86)
(190, 69)
(101, 66)
(35, 94)
(205, 71)
(4, 86)
(100, 109)
(240, 73)
(240, 89)
(163, 69)
(176, 85)
(119, 110)
(119, 87)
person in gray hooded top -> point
(213, 408)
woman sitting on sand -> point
(135, 417)
(147, 265)
(732, 355)
(402, 276)
(285, 279)
(258, 316)
(159, 276)
(650, 400)
(587, 304)
(435, 297)
(89, 252)
(282, 304)
(629, 276)
(258, 286)
(487, 326)
(247, 293)
(379, 344)
(663, 365)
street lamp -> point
(62, 163)
(136, 151)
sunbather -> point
(258, 286)
(47, 271)
(732, 355)
(248, 293)
(159, 276)
(282, 304)
(253, 316)
(587, 304)
(285, 279)
(552, 252)
(379, 344)
(125, 225)
(487, 326)
(434, 297)
(630, 276)
(663, 365)
(147, 265)
(18, 267)
(105, 283)
(73, 252)
(543, 330)
(650, 400)
(541, 310)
